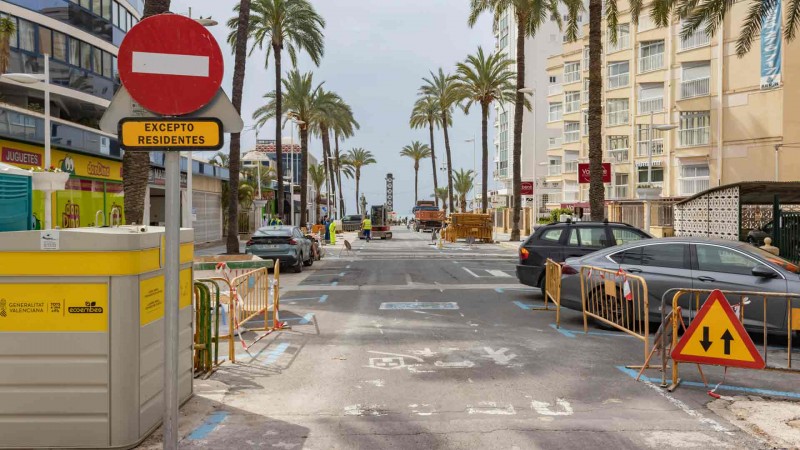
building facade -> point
(81, 38)
(679, 113)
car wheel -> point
(309, 262)
(542, 286)
(299, 266)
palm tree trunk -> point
(339, 175)
(596, 194)
(485, 161)
(433, 163)
(276, 50)
(303, 175)
(449, 163)
(240, 59)
(136, 165)
(358, 182)
(416, 182)
(326, 152)
(519, 104)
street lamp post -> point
(665, 127)
(532, 93)
(295, 121)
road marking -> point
(408, 279)
(323, 299)
(276, 353)
(335, 283)
(544, 408)
(679, 404)
(502, 290)
(498, 273)
(360, 410)
(208, 426)
(499, 356)
(397, 354)
(455, 365)
(723, 387)
(573, 333)
(471, 272)
(426, 352)
(320, 299)
(419, 305)
(308, 288)
(170, 64)
(303, 320)
(528, 307)
(491, 408)
(348, 266)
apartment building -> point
(713, 122)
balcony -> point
(570, 167)
(571, 196)
(691, 186)
(552, 198)
(618, 155)
(651, 63)
(554, 142)
(651, 105)
(693, 137)
(554, 170)
(695, 88)
(658, 147)
(623, 42)
(555, 89)
(618, 192)
(697, 39)
(618, 81)
(572, 77)
(572, 136)
(658, 184)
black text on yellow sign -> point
(170, 134)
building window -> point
(503, 146)
(646, 21)
(572, 132)
(651, 56)
(59, 46)
(556, 112)
(572, 72)
(643, 141)
(657, 174)
(617, 111)
(623, 38)
(695, 79)
(554, 142)
(585, 122)
(618, 74)
(572, 101)
(618, 148)
(107, 9)
(27, 36)
(694, 178)
(107, 65)
(695, 127)
(585, 58)
(699, 38)
(571, 191)
(651, 97)
(585, 98)
(74, 52)
(86, 56)
(620, 188)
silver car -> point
(696, 263)
(283, 243)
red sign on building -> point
(584, 173)
(527, 188)
(22, 158)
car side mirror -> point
(763, 272)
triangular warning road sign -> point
(716, 336)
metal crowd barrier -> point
(744, 297)
(617, 299)
(552, 288)
(206, 336)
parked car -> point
(351, 223)
(560, 241)
(697, 263)
(284, 243)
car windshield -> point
(273, 232)
(352, 218)
(777, 260)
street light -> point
(26, 78)
(664, 127)
(532, 93)
(295, 121)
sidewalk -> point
(503, 241)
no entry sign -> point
(170, 64)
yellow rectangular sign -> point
(151, 296)
(53, 307)
(170, 134)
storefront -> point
(94, 186)
(206, 203)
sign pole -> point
(172, 290)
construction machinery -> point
(381, 228)
(427, 217)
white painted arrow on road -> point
(426, 353)
(455, 365)
(499, 355)
(544, 408)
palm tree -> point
(279, 24)
(426, 114)
(136, 165)
(444, 89)
(7, 28)
(483, 80)
(318, 175)
(462, 183)
(416, 151)
(442, 193)
(220, 159)
(529, 15)
(304, 102)
(355, 160)
(344, 127)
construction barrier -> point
(692, 305)
(617, 299)
(552, 288)
(472, 227)
(206, 336)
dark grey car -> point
(284, 243)
(696, 263)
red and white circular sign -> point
(170, 64)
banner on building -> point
(771, 42)
(584, 174)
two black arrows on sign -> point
(726, 336)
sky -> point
(376, 53)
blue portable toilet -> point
(16, 199)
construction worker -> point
(332, 231)
(366, 227)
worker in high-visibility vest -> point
(332, 231)
(366, 226)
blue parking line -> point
(276, 353)
(303, 320)
(531, 307)
(573, 333)
(323, 299)
(209, 425)
(335, 283)
(725, 387)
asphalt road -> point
(403, 345)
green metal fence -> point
(206, 337)
(787, 232)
